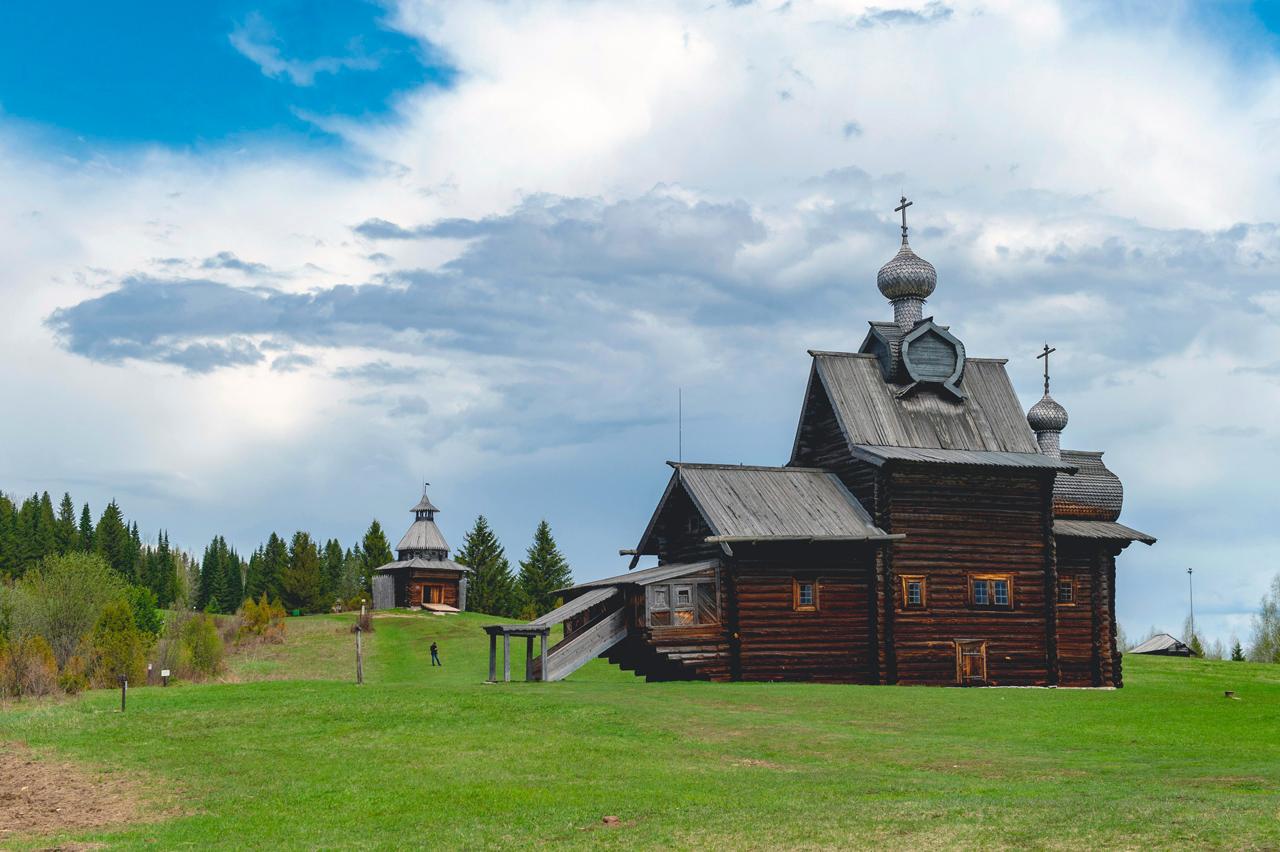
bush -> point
(146, 611)
(63, 599)
(364, 621)
(200, 647)
(28, 667)
(119, 648)
(262, 621)
(74, 677)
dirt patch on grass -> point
(40, 796)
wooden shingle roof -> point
(1094, 493)
(870, 412)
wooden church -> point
(422, 575)
(924, 531)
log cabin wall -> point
(418, 580)
(1087, 651)
(959, 524)
(820, 443)
(832, 643)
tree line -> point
(494, 588)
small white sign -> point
(164, 673)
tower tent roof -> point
(424, 505)
(423, 535)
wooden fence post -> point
(359, 657)
(493, 657)
(506, 657)
(542, 640)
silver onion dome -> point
(907, 276)
(1047, 415)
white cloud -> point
(1075, 179)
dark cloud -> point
(292, 362)
(931, 14)
(379, 373)
(227, 260)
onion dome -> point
(907, 276)
(1047, 415)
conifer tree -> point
(491, 587)
(542, 572)
(1237, 652)
(253, 588)
(86, 529)
(8, 538)
(333, 558)
(48, 527)
(113, 541)
(65, 531)
(232, 581)
(303, 581)
(376, 552)
(274, 559)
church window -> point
(913, 592)
(1066, 591)
(804, 595)
(991, 590)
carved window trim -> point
(805, 594)
(985, 591)
(906, 582)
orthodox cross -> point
(1045, 356)
(902, 207)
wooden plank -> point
(586, 646)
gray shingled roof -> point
(870, 412)
(424, 505)
(424, 565)
(971, 458)
(423, 535)
(1094, 493)
(1159, 642)
(1070, 528)
(646, 576)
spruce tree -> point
(333, 558)
(232, 581)
(65, 530)
(113, 541)
(86, 529)
(47, 527)
(9, 557)
(376, 552)
(213, 592)
(542, 573)
(1237, 652)
(274, 559)
(303, 581)
(253, 588)
(491, 587)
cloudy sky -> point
(267, 265)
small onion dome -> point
(1047, 416)
(907, 275)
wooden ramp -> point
(571, 653)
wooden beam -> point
(506, 658)
(542, 673)
(528, 658)
(493, 654)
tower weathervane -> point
(902, 207)
(1045, 356)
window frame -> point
(1069, 581)
(672, 606)
(796, 605)
(904, 602)
(990, 580)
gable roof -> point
(1160, 642)
(747, 503)
(870, 412)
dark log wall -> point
(681, 532)
(1087, 649)
(958, 524)
(419, 579)
(832, 644)
(820, 443)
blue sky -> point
(269, 265)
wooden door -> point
(971, 662)
(434, 594)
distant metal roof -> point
(1099, 529)
(870, 412)
(1159, 642)
(424, 565)
(759, 503)
(972, 458)
(1094, 493)
(645, 576)
(423, 535)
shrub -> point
(28, 667)
(200, 647)
(74, 677)
(261, 620)
(119, 648)
(364, 621)
(63, 599)
(146, 611)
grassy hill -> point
(421, 756)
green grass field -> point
(434, 757)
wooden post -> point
(542, 639)
(359, 657)
(493, 657)
(124, 688)
(528, 658)
(506, 657)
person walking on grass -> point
(435, 655)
